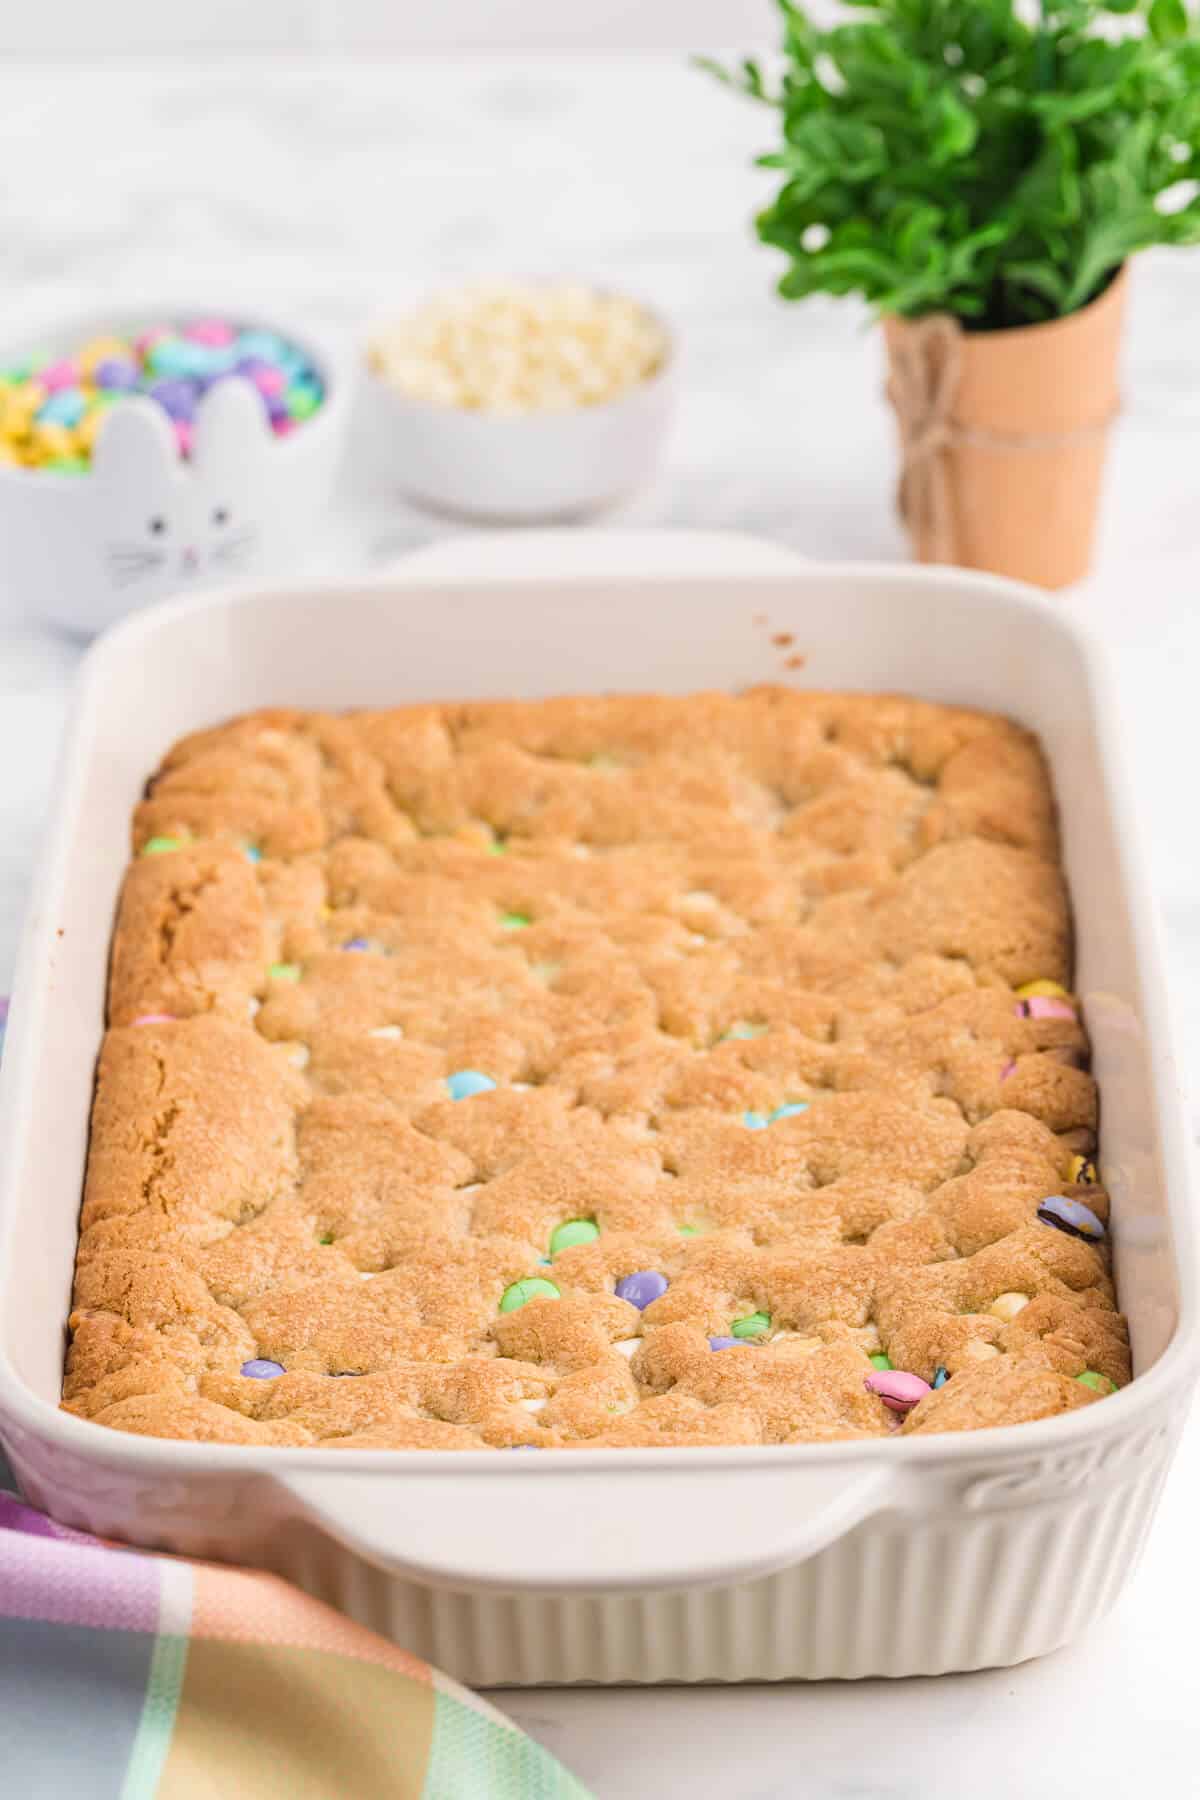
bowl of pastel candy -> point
(522, 401)
(158, 453)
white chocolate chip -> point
(534, 1405)
(978, 1351)
(299, 1056)
(627, 1347)
(1007, 1306)
(390, 1032)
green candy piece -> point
(158, 846)
(67, 465)
(689, 1231)
(571, 1232)
(514, 921)
(743, 1029)
(1099, 1384)
(752, 1326)
(498, 847)
(284, 972)
(881, 1361)
(326, 1237)
(533, 1287)
(301, 401)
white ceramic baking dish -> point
(876, 1558)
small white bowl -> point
(537, 467)
(82, 550)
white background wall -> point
(120, 28)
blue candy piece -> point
(266, 344)
(465, 1082)
(642, 1288)
(754, 1121)
(253, 853)
(360, 943)
(728, 1343)
(785, 1112)
(1071, 1216)
(180, 357)
(262, 1369)
(66, 407)
(940, 1377)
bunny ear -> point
(231, 425)
(134, 442)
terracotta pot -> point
(1004, 436)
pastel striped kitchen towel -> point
(130, 1676)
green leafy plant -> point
(991, 159)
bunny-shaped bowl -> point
(81, 550)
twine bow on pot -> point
(926, 366)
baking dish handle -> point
(564, 1526)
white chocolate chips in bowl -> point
(523, 401)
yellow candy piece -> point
(101, 349)
(1049, 988)
(18, 405)
(52, 439)
(1084, 1170)
(9, 455)
(88, 426)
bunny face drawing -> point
(143, 523)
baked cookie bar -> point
(593, 1072)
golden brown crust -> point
(644, 918)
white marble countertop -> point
(337, 189)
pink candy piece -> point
(147, 339)
(268, 380)
(57, 375)
(897, 1389)
(1043, 1006)
(1007, 1070)
(154, 1019)
(214, 332)
(183, 436)
(281, 427)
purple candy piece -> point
(724, 1343)
(176, 396)
(117, 373)
(1071, 1216)
(896, 1388)
(641, 1288)
(260, 1368)
(357, 943)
